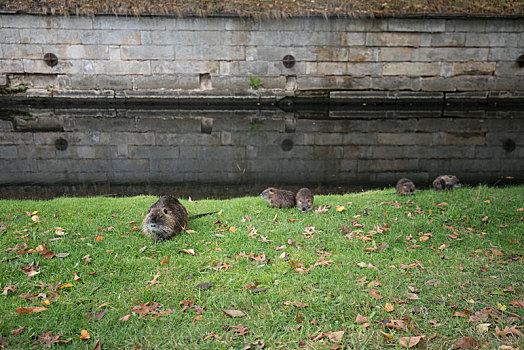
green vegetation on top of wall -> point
(268, 8)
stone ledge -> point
(263, 98)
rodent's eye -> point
(149, 210)
(165, 211)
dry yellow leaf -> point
(84, 334)
(389, 307)
(65, 285)
(340, 208)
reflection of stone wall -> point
(345, 147)
(129, 53)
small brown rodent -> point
(166, 218)
(279, 198)
(405, 187)
(304, 199)
(446, 182)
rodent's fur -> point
(405, 187)
(304, 200)
(165, 218)
(279, 198)
(446, 182)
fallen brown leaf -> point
(165, 260)
(49, 339)
(375, 294)
(409, 342)
(466, 343)
(397, 324)
(188, 251)
(124, 318)
(335, 336)
(507, 330)
(97, 315)
(362, 320)
(17, 331)
(30, 310)
(240, 329)
(233, 313)
(517, 303)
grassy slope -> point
(467, 269)
(268, 8)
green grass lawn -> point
(443, 265)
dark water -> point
(228, 150)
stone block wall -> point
(219, 54)
(372, 147)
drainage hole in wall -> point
(205, 81)
(509, 145)
(288, 61)
(50, 59)
(61, 144)
(287, 145)
(520, 61)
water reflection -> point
(337, 147)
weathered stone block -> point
(508, 69)
(213, 53)
(492, 39)
(383, 165)
(416, 25)
(363, 54)
(168, 139)
(8, 152)
(411, 69)
(395, 83)
(10, 36)
(447, 39)
(504, 53)
(404, 138)
(131, 165)
(438, 84)
(153, 152)
(121, 67)
(127, 138)
(393, 39)
(249, 67)
(18, 166)
(395, 54)
(21, 51)
(474, 68)
(147, 52)
(449, 54)
(466, 25)
(99, 81)
(505, 25)
(11, 66)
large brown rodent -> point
(279, 198)
(304, 200)
(166, 218)
(446, 182)
(405, 187)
